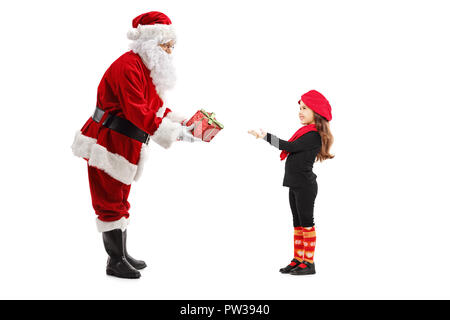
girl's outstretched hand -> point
(257, 135)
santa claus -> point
(130, 112)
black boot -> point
(299, 271)
(117, 263)
(137, 264)
(289, 267)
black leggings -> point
(302, 205)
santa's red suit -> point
(128, 91)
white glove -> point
(186, 135)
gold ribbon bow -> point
(212, 118)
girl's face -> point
(306, 115)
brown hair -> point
(323, 127)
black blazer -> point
(300, 161)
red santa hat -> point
(152, 25)
(317, 103)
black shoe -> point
(118, 265)
(289, 267)
(299, 271)
(137, 264)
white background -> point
(213, 220)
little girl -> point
(312, 141)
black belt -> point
(121, 125)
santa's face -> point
(168, 46)
(306, 115)
(156, 55)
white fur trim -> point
(161, 111)
(113, 164)
(167, 133)
(82, 145)
(162, 32)
(175, 117)
(103, 226)
(133, 34)
(142, 160)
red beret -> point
(317, 103)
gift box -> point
(206, 125)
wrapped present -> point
(206, 125)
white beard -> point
(158, 62)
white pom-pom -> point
(133, 34)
